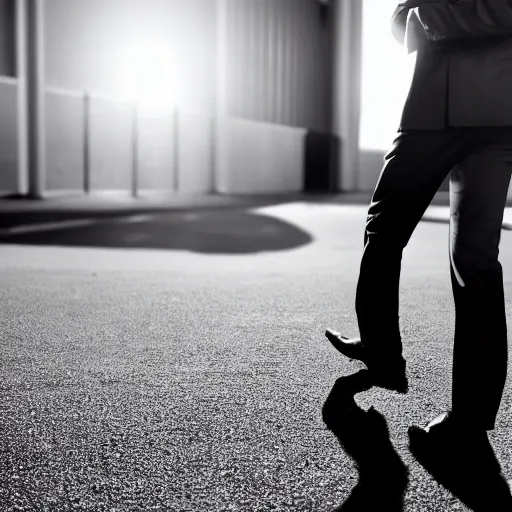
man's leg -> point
(478, 193)
(412, 173)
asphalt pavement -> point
(176, 361)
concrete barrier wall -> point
(262, 158)
(110, 144)
(175, 152)
(8, 136)
(64, 141)
(157, 151)
(195, 153)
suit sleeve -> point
(399, 23)
(402, 15)
(451, 20)
(407, 29)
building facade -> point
(134, 86)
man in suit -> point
(457, 118)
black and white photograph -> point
(255, 255)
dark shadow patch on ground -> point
(55, 210)
(468, 468)
(210, 232)
(364, 436)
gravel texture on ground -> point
(195, 380)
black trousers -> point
(480, 161)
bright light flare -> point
(149, 75)
(386, 76)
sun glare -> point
(149, 76)
(386, 76)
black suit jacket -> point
(463, 72)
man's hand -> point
(415, 34)
(406, 27)
(399, 23)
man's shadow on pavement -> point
(364, 436)
(468, 468)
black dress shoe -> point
(457, 453)
(448, 428)
(388, 373)
(446, 434)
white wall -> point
(262, 158)
(64, 140)
(174, 153)
(110, 144)
(157, 151)
(195, 139)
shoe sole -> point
(399, 384)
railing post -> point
(135, 150)
(36, 98)
(176, 144)
(22, 97)
(87, 143)
(220, 114)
